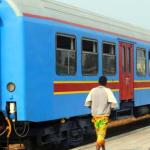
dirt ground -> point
(16, 147)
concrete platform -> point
(135, 140)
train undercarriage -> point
(64, 133)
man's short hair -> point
(103, 80)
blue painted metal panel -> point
(28, 59)
(142, 97)
(0, 67)
(40, 70)
(12, 59)
(41, 103)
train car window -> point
(109, 58)
(141, 62)
(89, 57)
(149, 63)
(65, 55)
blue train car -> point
(51, 56)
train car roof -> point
(50, 9)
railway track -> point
(115, 128)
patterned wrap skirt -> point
(100, 124)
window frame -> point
(148, 62)
(61, 49)
(110, 43)
(96, 53)
(143, 49)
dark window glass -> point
(109, 59)
(129, 60)
(124, 59)
(65, 55)
(149, 62)
(89, 57)
(141, 62)
(89, 46)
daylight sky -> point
(136, 12)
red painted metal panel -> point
(126, 74)
(142, 85)
(81, 87)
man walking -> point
(101, 100)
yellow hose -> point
(9, 128)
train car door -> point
(126, 73)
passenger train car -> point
(51, 56)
